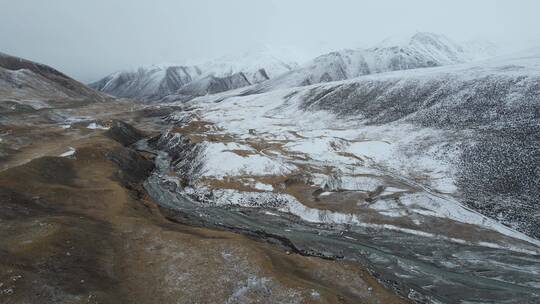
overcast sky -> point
(89, 39)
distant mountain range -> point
(267, 71)
(158, 81)
(420, 50)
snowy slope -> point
(209, 85)
(151, 82)
(456, 142)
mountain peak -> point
(413, 38)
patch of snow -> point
(392, 190)
(219, 162)
(271, 213)
(95, 126)
(447, 207)
(76, 119)
(389, 208)
(70, 152)
(263, 187)
(375, 150)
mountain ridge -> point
(154, 82)
(420, 50)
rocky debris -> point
(186, 156)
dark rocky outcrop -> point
(124, 133)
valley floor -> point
(77, 226)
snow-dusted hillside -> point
(408, 150)
(415, 51)
(208, 85)
(158, 81)
(151, 82)
(27, 85)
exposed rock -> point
(124, 133)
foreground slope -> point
(89, 234)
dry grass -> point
(195, 126)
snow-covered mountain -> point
(257, 66)
(419, 50)
(209, 85)
(270, 69)
(158, 81)
(148, 83)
